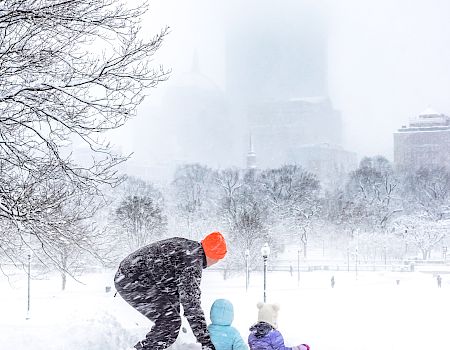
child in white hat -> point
(264, 334)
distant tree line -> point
(378, 212)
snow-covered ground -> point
(371, 312)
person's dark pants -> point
(161, 306)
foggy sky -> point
(387, 62)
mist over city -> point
(377, 66)
(283, 163)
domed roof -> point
(193, 79)
(429, 112)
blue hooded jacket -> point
(223, 335)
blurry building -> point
(275, 52)
(200, 129)
(330, 163)
(276, 80)
(424, 142)
(280, 128)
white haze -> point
(386, 62)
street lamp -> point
(265, 251)
(247, 255)
(29, 286)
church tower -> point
(251, 156)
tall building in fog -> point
(276, 80)
(279, 128)
(330, 163)
(276, 52)
(424, 142)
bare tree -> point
(428, 190)
(141, 220)
(293, 195)
(373, 189)
(71, 259)
(370, 201)
(137, 216)
(193, 195)
(244, 214)
(69, 72)
(426, 199)
(421, 232)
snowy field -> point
(371, 312)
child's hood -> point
(261, 329)
(222, 312)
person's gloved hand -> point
(301, 347)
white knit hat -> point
(268, 313)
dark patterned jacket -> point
(175, 266)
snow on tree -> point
(420, 231)
(48, 217)
(244, 213)
(193, 198)
(428, 190)
(70, 71)
(365, 206)
(373, 189)
(293, 196)
(426, 197)
(137, 216)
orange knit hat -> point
(214, 246)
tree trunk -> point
(63, 280)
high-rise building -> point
(276, 52)
(276, 79)
(280, 128)
(424, 142)
(330, 163)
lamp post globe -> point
(265, 250)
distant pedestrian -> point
(291, 270)
(439, 280)
(332, 282)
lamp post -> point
(298, 267)
(247, 255)
(348, 259)
(265, 251)
(29, 286)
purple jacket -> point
(264, 337)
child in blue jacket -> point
(223, 335)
